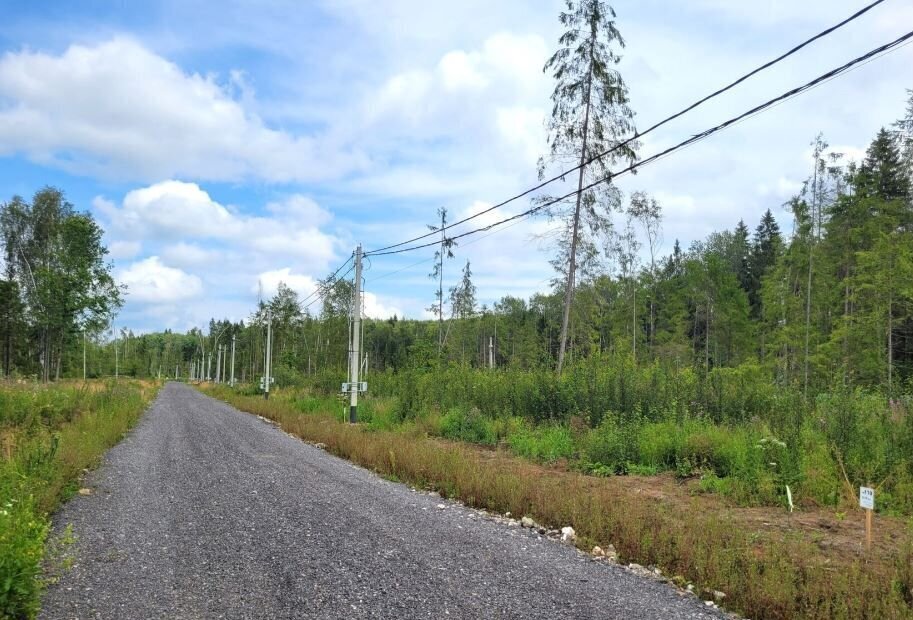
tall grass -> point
(607, 415)
(765, 577)
(48, 435)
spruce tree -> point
(590, 115)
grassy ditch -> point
(48, 436)
(765, 574)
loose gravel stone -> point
(206, 512)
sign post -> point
(867, 502)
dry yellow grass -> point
(773, 576)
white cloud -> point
(268, 282)
(782, 189)
(178, 211)
(427, 122)
(150, 281)
(124, 249)
(117, 109)
(301, 209)
(172, 207)
(376, 308)
(188, 254)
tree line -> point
(56, 287)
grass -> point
(766, 575)
(48, 436)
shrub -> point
(468, 426)
(542, 443)
(603, 447)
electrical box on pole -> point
(354, 386)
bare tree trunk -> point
(890, 330)
(815, 230)
(634, 322)
(572, 258)
(59, 356)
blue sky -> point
(227, 146)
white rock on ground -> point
(568, 534)
(527, 522)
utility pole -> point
(232, 382)
(116, 358)
(266, 365)
(209, 367)
(355, 360)
(218, 364)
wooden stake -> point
(868, 530)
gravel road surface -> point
(207, 512)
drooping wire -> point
(860, 60)
(330, 279)
(638, 135)
(323, 289)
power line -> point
(431, 258)
(319, 287)
(638, 135)
(685, 143)
(322, 290)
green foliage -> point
(547, 443)
(47, 437)
(468, 426)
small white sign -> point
(867, 498)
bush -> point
(604, 450)
(468, 426)
(542, 443)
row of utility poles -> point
(200, 369)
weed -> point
(52, 433)
(764, 577)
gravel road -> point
(207, 512)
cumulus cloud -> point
(178, 211)
(188, 254)
(117, 109)
(438, 114)
(151, 281)
(377, 308)
(268, 282)
(124, 249)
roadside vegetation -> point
(48, 436)
(768, 567)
